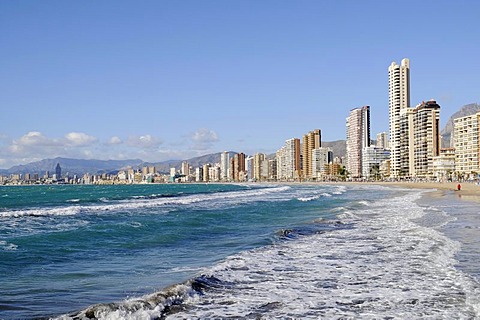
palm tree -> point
(375, 171)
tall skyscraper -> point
(288, 160)
(358, 137)
(398, 100)
(58, 172)
(258, 161)
(224, 164)
(237, 167)
(426, 138)
(311, 141)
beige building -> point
(382, 140)
(398, 100)
(311, 141)
(358, 137)
(321, 158)
(426, 138)
(444, 164)
(258, 163)
(466, 142)
(288, 160)
(419, 141)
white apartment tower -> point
(358, 137)
(224, 163)
(382, 140)
(398, 100)
(466, 140)
(288, 160)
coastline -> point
(469, 191)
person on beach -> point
(459, 187)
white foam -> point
(386, 266)
(305, 199)
(4, 245)
(221, 198)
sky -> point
(175, 79)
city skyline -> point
(168, 80)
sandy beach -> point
(468, 191)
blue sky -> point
(161, 80)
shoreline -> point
(469, 191)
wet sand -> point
(468, 191)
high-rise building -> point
(321, 158)
(58, 172)
(382, 140)
(466, 141)
(426, 138)
(358, 137)
(311, 141)
(258, 162)
(185, 168)
(206, 171)
(224, 164)
(237, 167)
(288, 160)
(398, 99)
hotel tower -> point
(358, 138)
(398, 102)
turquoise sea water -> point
(235, 251)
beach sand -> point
(469, 191)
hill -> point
(164, 167)
(74, 166)
(82, 166)
(339, 147)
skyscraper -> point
(224, 164)
(425, 134)
(58, 172)
(358, 137)
(398, 100)
(311, 141)
(288, 160)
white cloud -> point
(35, 138)
(144, 142)
(115, 140)
(34, 146)
(204, 138)
(79, 139)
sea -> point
(237, 251)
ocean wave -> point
(208, 199)
(4, 245)
(386, 266)
(153, 306)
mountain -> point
(74, 166)
(464, 111)
(164, 166)
(339, 147)
(82, 166)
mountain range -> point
(81, 166)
